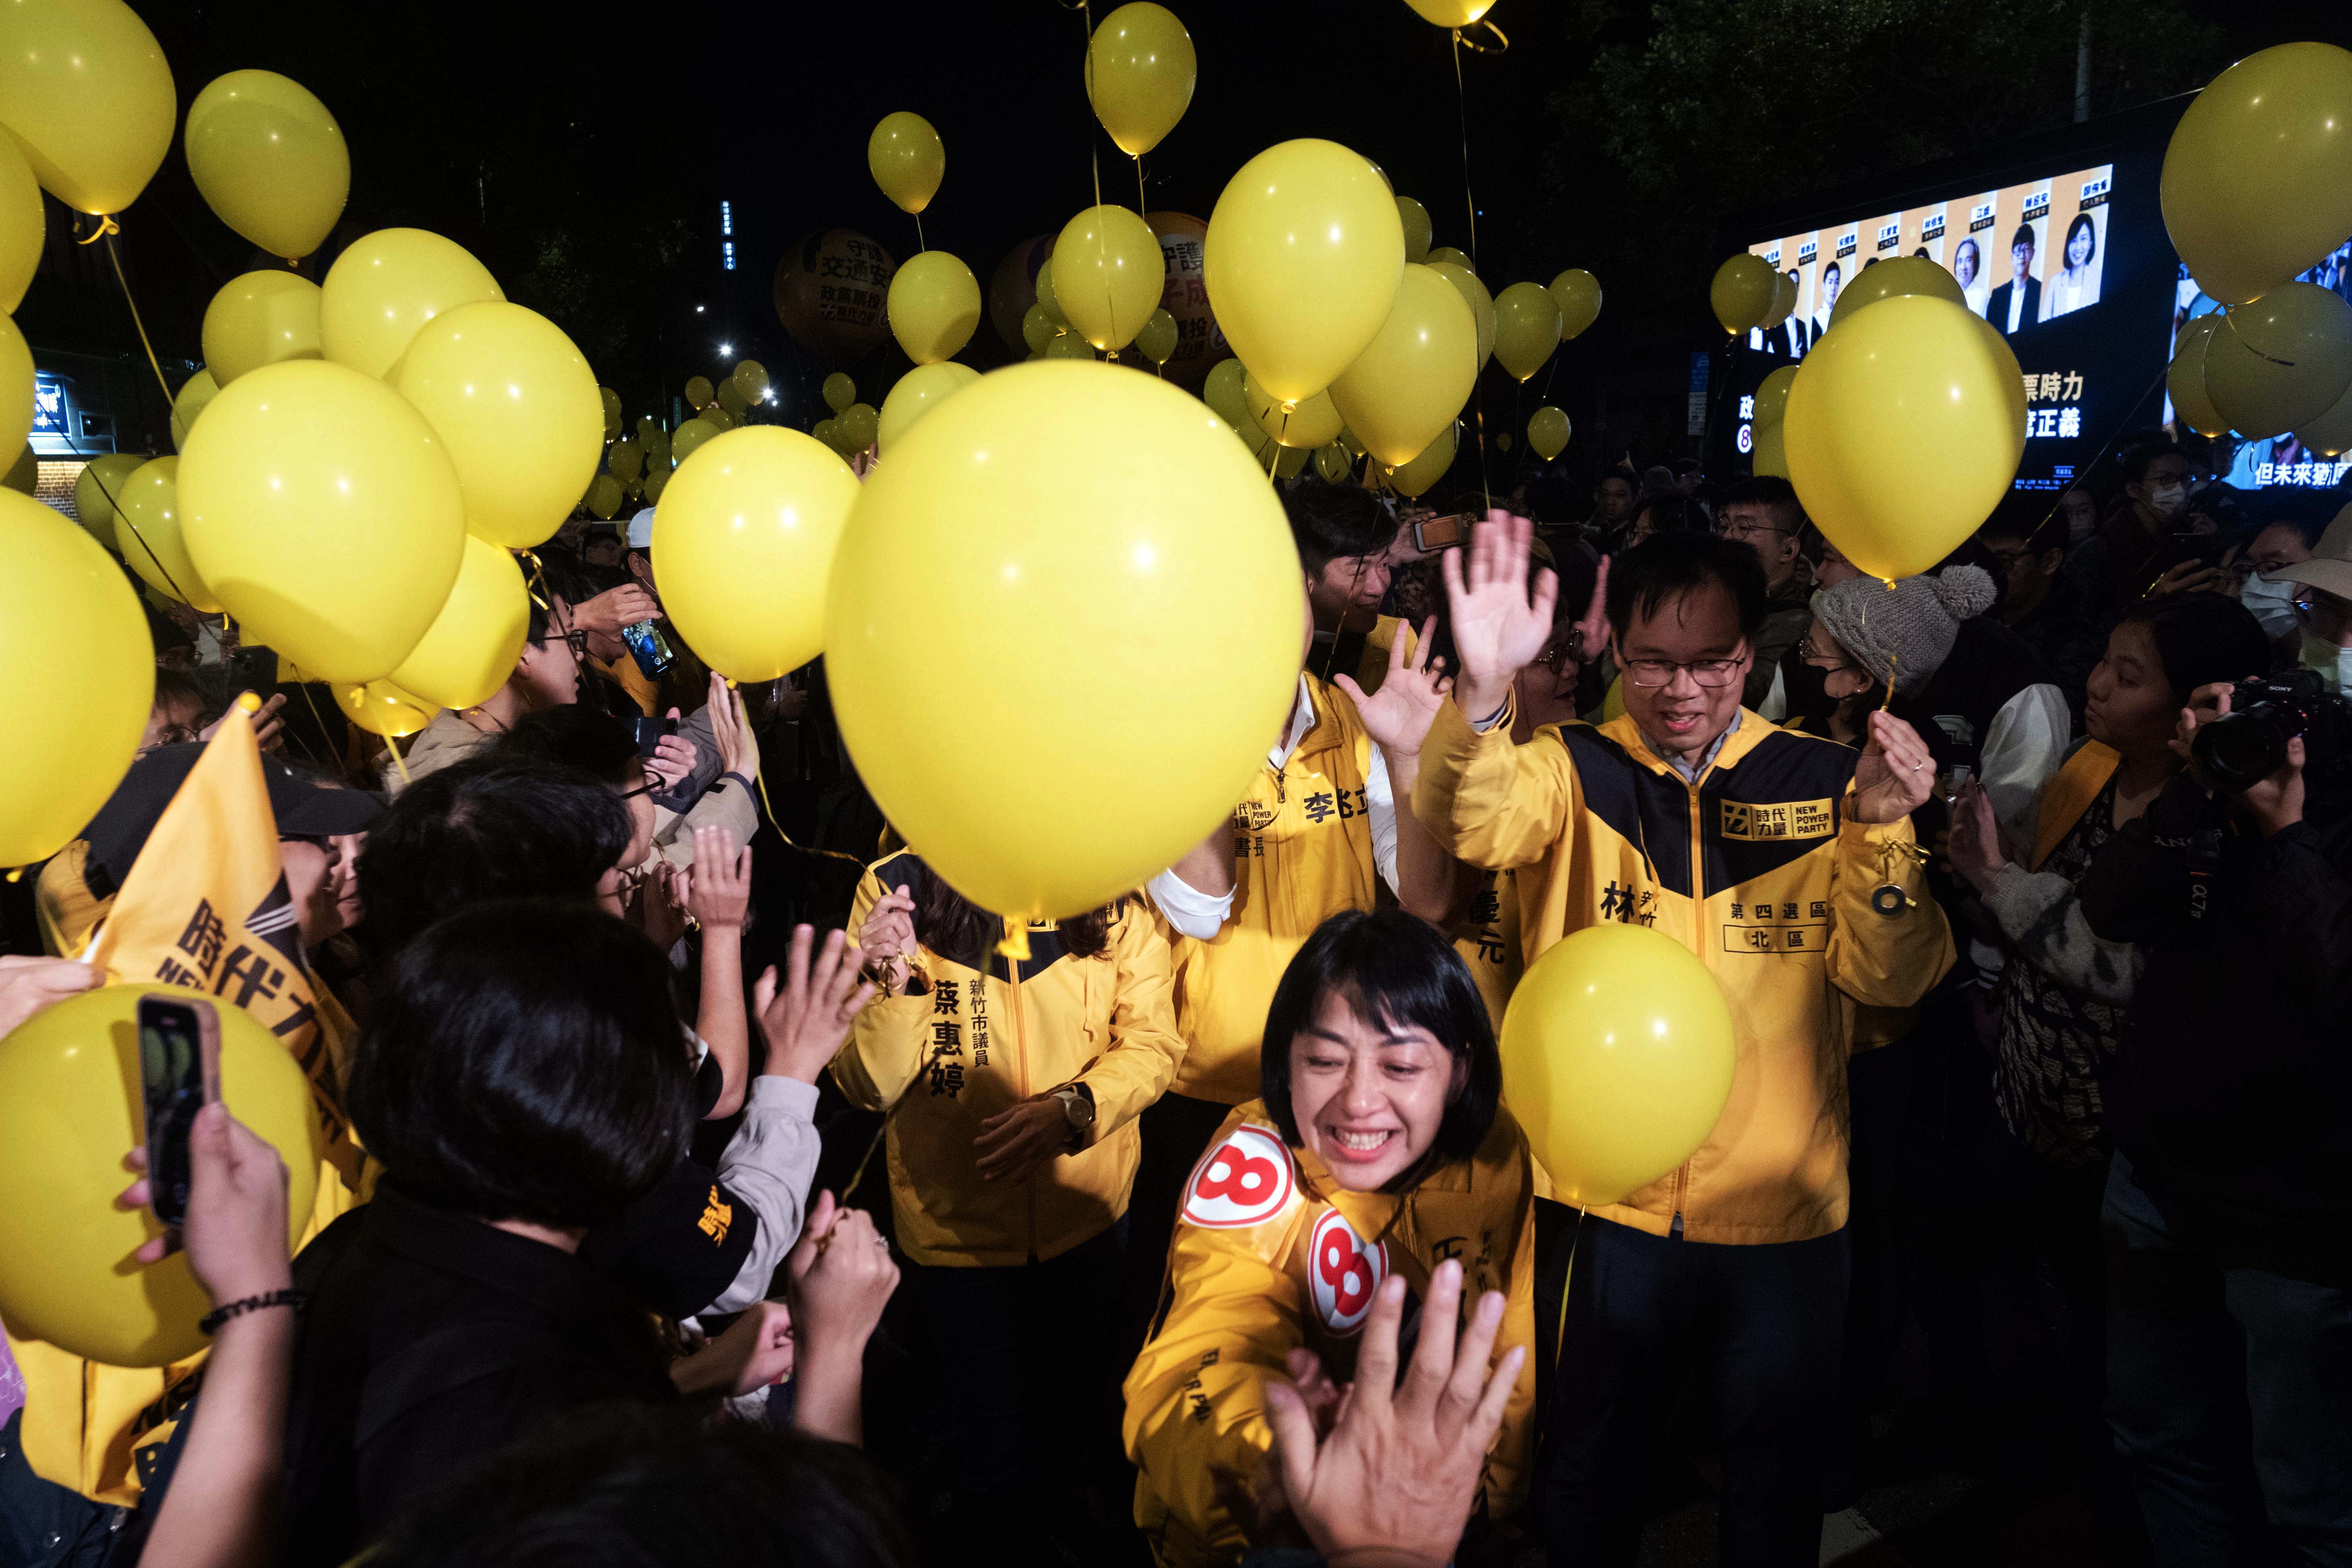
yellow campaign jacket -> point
(969, 1045)
(1758, 870)
(1271, 1253)
(1488, 941)
(1302, 853)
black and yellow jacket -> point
(1271, 1253)
(968, 1045)
(1801, 913)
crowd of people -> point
(711, 1200)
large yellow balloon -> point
(1898, 275)
(1312, 424)
(385, 286)
(1108, 273)
(746, 538)
(16, 391)
(1526, 328)
(1452, 12)
(1139, 74)
(260, 318)
(96, 488)
(1617, 1059)
(1904, 430)
(1474, 294)
(840, 391)
(24, 223)
(1157, 339)
(1548, 432)
(1034, 521)
(70, 1110)
(604, 495)
(2184, 378)
(24, 475)
(907, 159)
(82, 656)
(934, 306)
(2280, 120)
(382, 707)
(1222, 392)
(86, 89)
(517, 409)
(1302, 263)
(918, 392)
(324, 512)
(147, 534)
(270, 160)
(1427, 468)
(1418, 230)
(471, 647)
(1741, 294)
(1578, 293)
(1773, 396)
(1414, 376)
(698, 391)
(2280, 361)
(195, 395)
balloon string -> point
(2229, 319)
(919, 245)
(392, 744)
(1462, 100)
(1567, 1278)
(107, 229)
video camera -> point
(2248, 745)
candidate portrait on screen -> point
(2077, 282)
(2017, 303)
(1968, 270)
(1832, 279)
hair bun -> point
(1965, 592)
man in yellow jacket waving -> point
(1787, 863)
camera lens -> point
(2241, 750)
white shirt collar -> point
(1302, 719)
(1690, 770)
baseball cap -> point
(304, 809)
(641, 530)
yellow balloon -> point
(2280, 120)
(825, 431)
(840, 391)
(86, 89)
(1157, 339)
(2280, 361)
(1070, 345)
(26, 475)
(382, 707)
(689, 439)
(1413, 377)
(2184, 378)
(610, 402)
(918, 392)
(1043, 515)
(1413, 478)
(1452, 12)
(1784, 300)
(1222, 392)
(1448, 256)
(1313, 423)
(698, 391)
(1108, 271)
(195, 395)
(1037, 327)
(1548, 432)
(518, 410)
(656, 482)
(1898, 276)
(70, 1110)
(649, 430)
(1417, 228)
(746, 542)
(1741, 295)
(907, 159)
(719, 416)
(323, 513)
(1526, 328)
(1302, 262)
(269, 158)
(84, 656)
(1289, 462)
(1503, 442)
(471, 647)
(1333, 463)
(1768, 451)
(1045, 290)
(1617, 1059)
(751, 379)
(16, 391)
(385, 286)
(24, 223)
(96, 488)
(1139, 74)
(1773, 396)
(731, 399)
(260, 318)
(934, 305)
(1474, 295)
(1904, 430)
(147, 534)
(2330, 435)
(859, 425)
(604, 495)
(626, 460)
(1578, 294)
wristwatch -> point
(1079, 1108)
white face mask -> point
(2271, 603)
(2333, 663)
(2165, 503)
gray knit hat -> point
(1909, 630)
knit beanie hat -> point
(1909, 631)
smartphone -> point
(179, 1075)
(2206, 549)
(649, 648)
(649, 732)
(1433, 534)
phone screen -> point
(179, 1073)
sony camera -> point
(2248, 745)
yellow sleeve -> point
(1195, 1422)
(1879, 959)
(884, 1052)
(1145, 1049)
(1488, 801)
(1510, 1462)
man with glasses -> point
(1787, 863)
(1764, 514)
(2028, 542)
(546, 675)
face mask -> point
(2167, 502)
(2332, 662)
(2271, 603)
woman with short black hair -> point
(1378, 1145)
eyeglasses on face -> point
(1742, 527)
(1710, 673)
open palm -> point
(1499, 626)
(1398, 716)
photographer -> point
(2230, 1198)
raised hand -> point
(1499, 625)
(886, 940)
(1398, 716)
(806, 1022)
(730, 731)
(1896, 772)
(1975, 851)
(718, 893)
